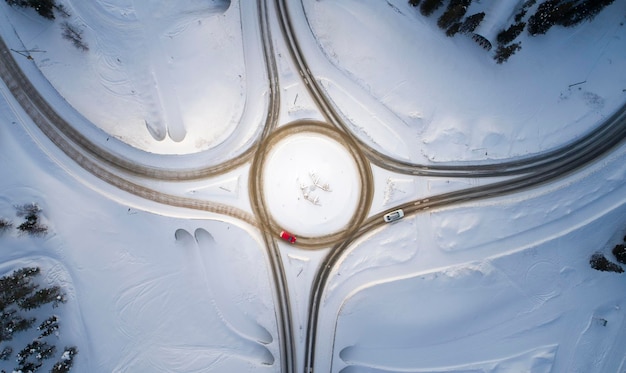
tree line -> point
(21, 297)
(544, 16)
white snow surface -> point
(302, 198)
(500, 285)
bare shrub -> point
(74, 35)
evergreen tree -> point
(45, 351)
(508, 35)
(6, 353)
(543, 19)
(17, 286)
(504, 52)
(66, 362)
(49, 326)
(601, 263)
(45, 8)
(454, 13)
(583, 10)
(620, 253)
(19, 293)
(452, 30)
(523, 10)
(41, 297)
(564, 13)
(471, 22)
(427, 7)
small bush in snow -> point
(5, 225)
(74, 35)
(32, 226)
(61, 9)
(27, 209)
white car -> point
(393, 216)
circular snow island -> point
(314, 181)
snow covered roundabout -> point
(311, 180)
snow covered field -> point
(500, 285)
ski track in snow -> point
(213, 268)
(133, 58)
(538, 360)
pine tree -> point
(601, 263)
(524, 9)
(6, 353)
(584, 10)
(508, 35)
(471, 22)
(503, 53)
(427, 7)
(543, 19)
(49, 326)
(41, 297)
(620, 253)
(454, 29)
(45, 8)
(66, 362)
(455, 11)
(564, 13)
(17, 286)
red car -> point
(288, 237)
